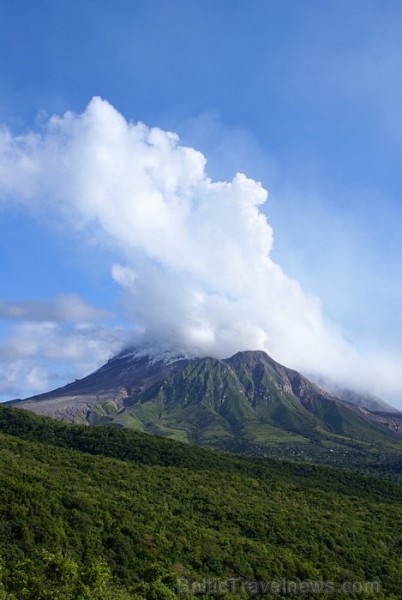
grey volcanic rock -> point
(105, 391)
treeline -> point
(147, 449)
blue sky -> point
(305, 97)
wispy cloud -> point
(48, 343)
(66, 307)
(38, 356)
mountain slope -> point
(247, 403)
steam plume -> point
(192, 255)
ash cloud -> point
(192, 254)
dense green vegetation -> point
(110, 513)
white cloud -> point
(197, 268)
(36, 357)
(65, 307)
(22, 378)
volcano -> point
(247, 403)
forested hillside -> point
(107, 513)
